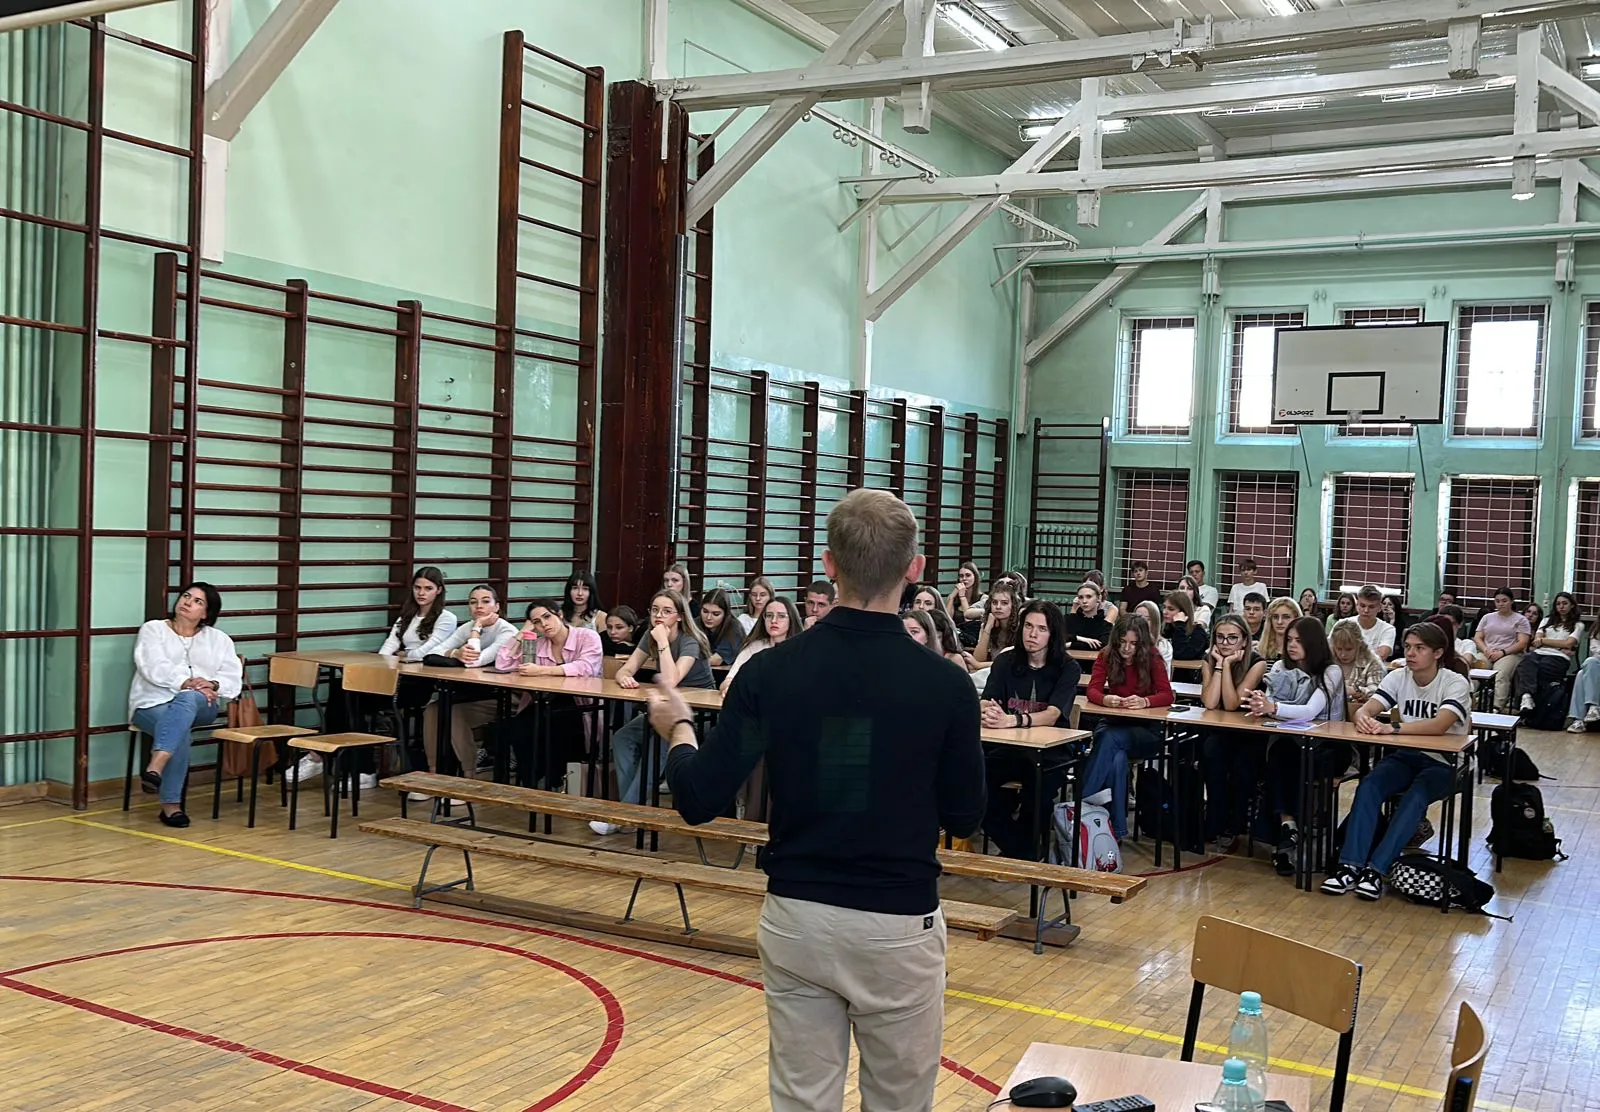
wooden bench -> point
(985, 921)
(1039, 874)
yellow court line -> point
(993, 1001)
(256, 857)
(73, 815)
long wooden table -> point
(1172, 1086)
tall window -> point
(1369, 539)
(1586, 547)
(1152, 525)
(1591, 372)
(1499, 370)
(1490, 537)
(1256, 514)
(1251, 354)
(1378, 318)
(1160, 379)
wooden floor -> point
(226, 968)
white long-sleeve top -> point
(411, 640)
(488, 641)
(163, 662)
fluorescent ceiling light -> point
(1281, 7)
(977, 25)
(1591, 69)
(1452, 89)
(1290, 104)
(1034, 130)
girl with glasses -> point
(1231, 761)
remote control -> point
(1118, 1104)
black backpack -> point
(1154, 802)
(1550, 704)
(1494, 761)
(1424, 879)
(1520, 827)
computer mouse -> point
(1043, 1092)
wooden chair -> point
(381, 678)
(1467, 1053)
(254, 737)
(1300, 979)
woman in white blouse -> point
(424, 624)
(475, 645)
(184, 670)
(780, 620)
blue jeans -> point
(168, 726)
(1423, 780)
(628, 750)
(1586, 688)
(1114, 748)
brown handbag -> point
(243, 712)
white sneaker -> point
(310, 767)
(605, 827)
(1098, 799)
(1591, 713)
(418, 797)
(369, 780)
(1578, 726)
(1527, 703)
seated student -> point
(1086, 627)
(756, 598)
(621, 634)
(1127, 673)
(1466, 651)
(1205, 593)
(1152, 614)
(1141, 589)
(1502, 636)
(1032, 683)
(965, 603)
(1343, 607)
(475, 645)
(1203, 611)
(1230, 759)
(1377, 633)
(549, 647)
(674, 653)
(1246, 586)
(1555, 647)
(1305, 685)
(1281, 614)
(927, 598)
(676, 578)
(1020, 582)
(1432, 699)
(722, 629)
(819, 600)
(949, 641)
(1107, 610)
(1447, 599)
(780, 620)
(185, 670)
(1585, 705)
(1309, 603)
(1534, 613)
(1255, 618)
(580, 605)
(1181, 627)
(999, 630)
(424, 624)
(1363, 671)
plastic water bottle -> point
(475, 641)
(1234, 1094)
(530, 646)
(1247, 1041)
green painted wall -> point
(1077, 379)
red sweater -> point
(1160, 694)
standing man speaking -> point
(872, 745)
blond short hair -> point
(872, 537)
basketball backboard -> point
(1344, 373)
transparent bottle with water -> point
(1234, 1094)
(1247, 1042)
(530, 647)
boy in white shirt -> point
(1377, 633)
(1197, 572)
(1247, 585)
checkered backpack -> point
(1424, 879)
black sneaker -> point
(1423, 834)
(1283, 856)
(1343, 880)
(1369, 886)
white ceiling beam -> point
(952, 234)
(1367, 135)
(1465, 39)
(916, 101)
(656, 40)
(1382, 21)
(1568, 90)
(1089, 147)
(1577, 143)
(784, 112)
(1107, 287)
(230, 97)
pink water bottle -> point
(530, 641)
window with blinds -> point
(1160, 376)
(1255, 518)
(1152, 525)
(1251, 353)
(1369, 538)
(1499, 370)
(1586, 548)
(1378, 318)
(1591, 372)
(1489, 537)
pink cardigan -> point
(581, 654)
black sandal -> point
(177, 818)
(150, 781)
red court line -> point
(613, 1008)
(959, 1070)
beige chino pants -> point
(830, 970)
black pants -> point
(1535, 670)
(1282, 796)
(357, 710)
(565, 741)
(1232, 764)
(1008, 819)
